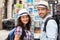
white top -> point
(51, 29)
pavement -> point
(4, 34)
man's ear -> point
(49, 10)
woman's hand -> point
(17, 37)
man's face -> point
(43, 11)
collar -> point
(46, 18)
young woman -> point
(22, 31)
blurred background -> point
(9, 12)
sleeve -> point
(18, 31)
(51, 30)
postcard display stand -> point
(30, 5)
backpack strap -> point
(11, 35)
(49, 18)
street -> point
(3, 34)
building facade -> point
(7, 9)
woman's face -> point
(25, 19)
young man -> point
(51, 27)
